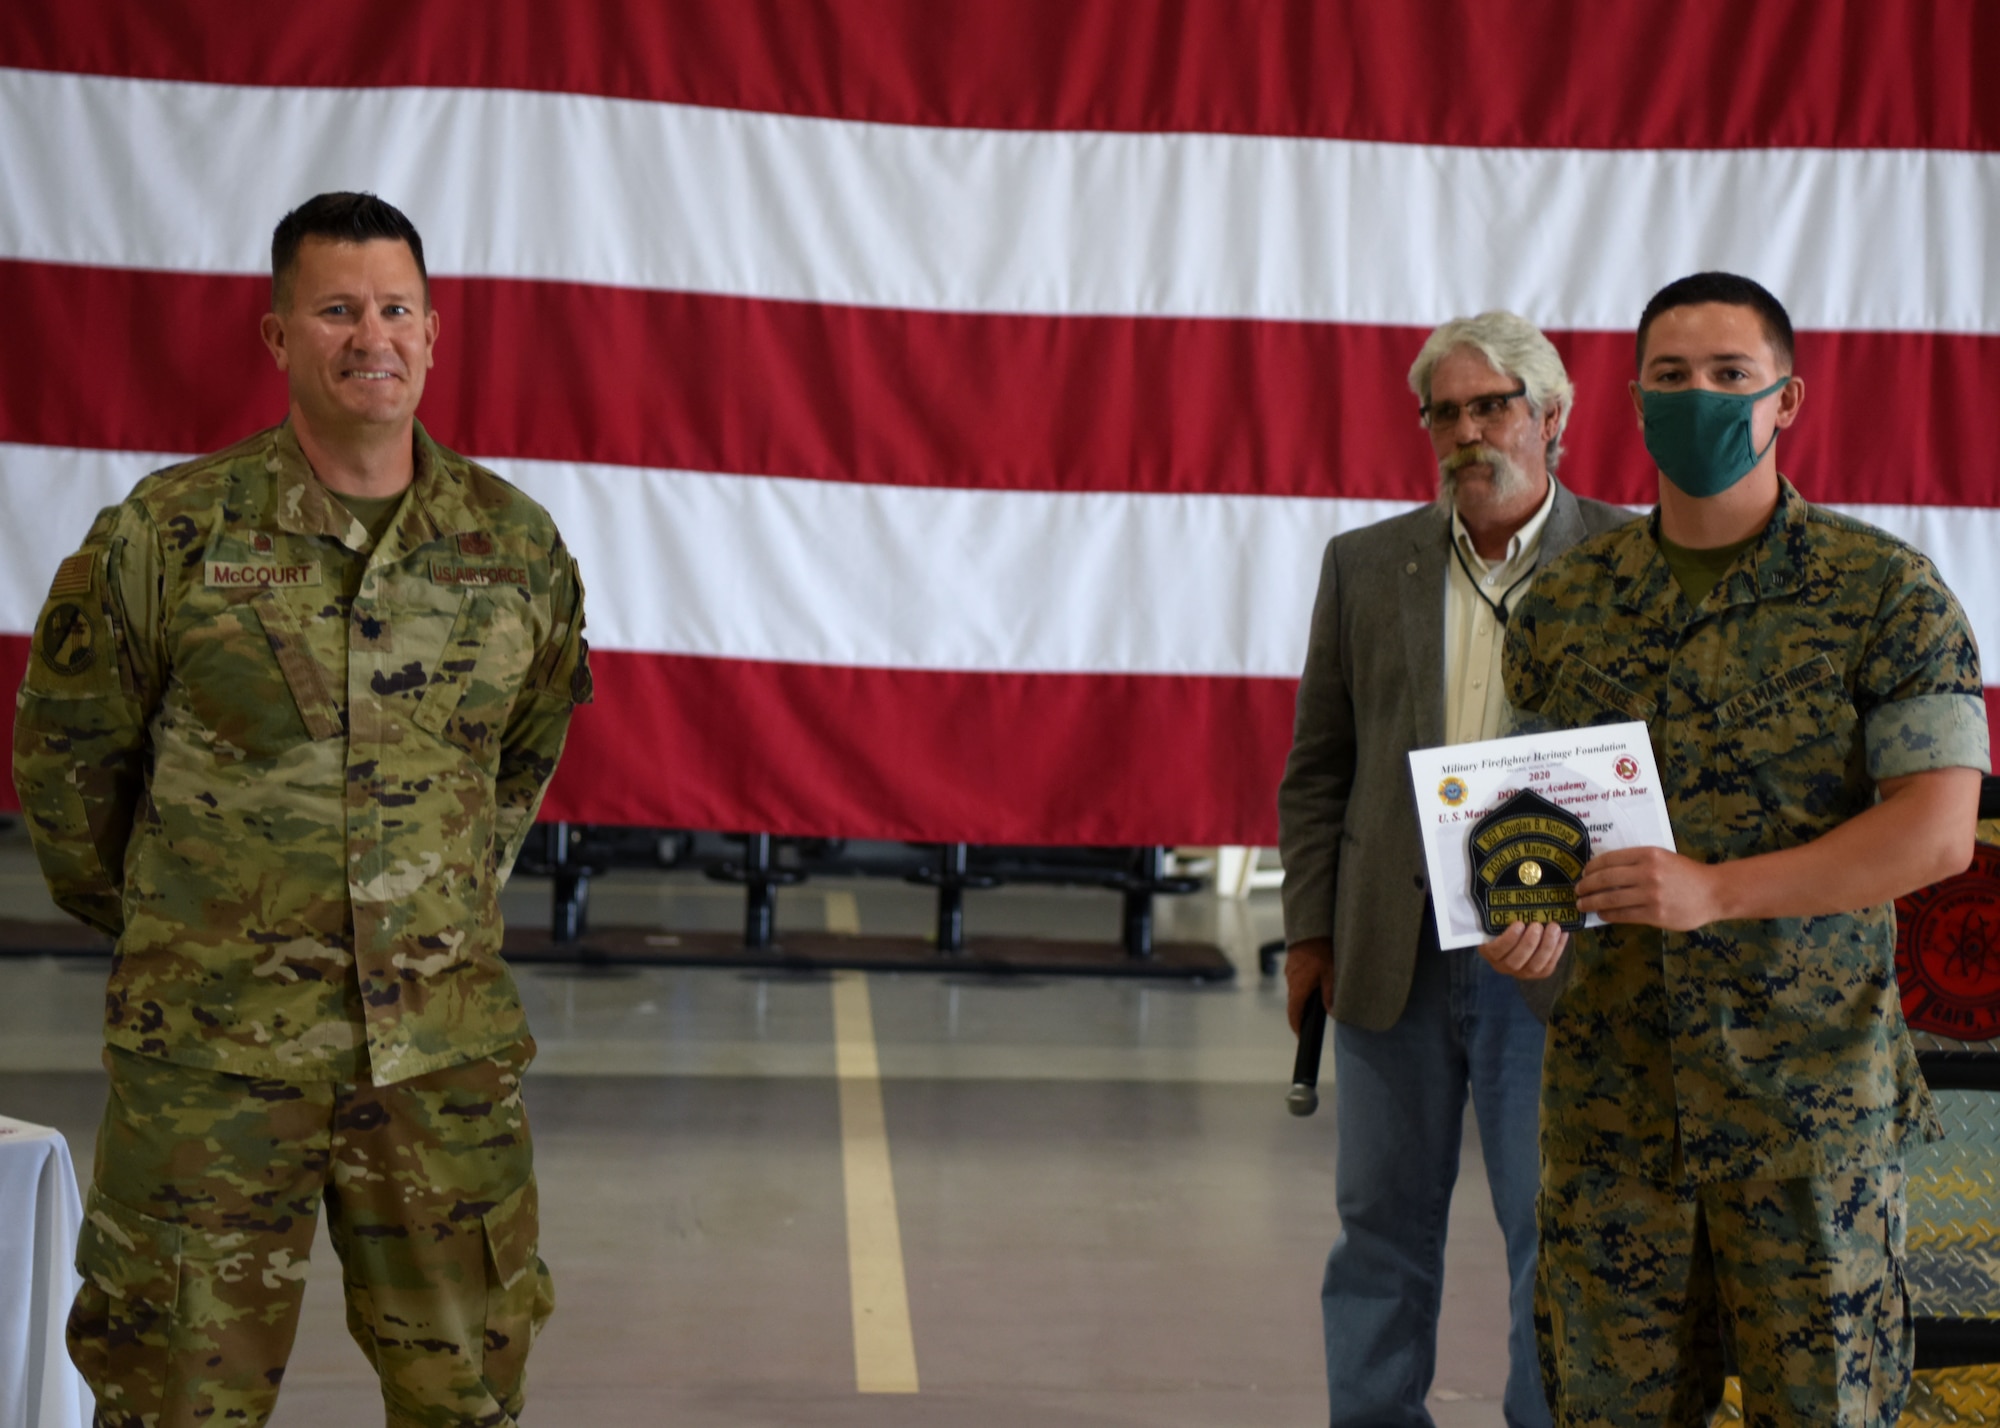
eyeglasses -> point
(1443, 416)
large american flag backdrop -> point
(948, 403)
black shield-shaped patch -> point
(1526, 857)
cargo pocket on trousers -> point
(121, 1328)
(1893, 1353)
(519, 1297)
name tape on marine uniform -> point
(1526, 856)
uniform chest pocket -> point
(473, 684)
(1791, 738)
(1585, 695)
(247, 674)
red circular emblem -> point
(1627, 768)
(1948, 952)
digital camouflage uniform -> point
(1744, 1089)
(287, 768)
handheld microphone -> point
(1303, 1098)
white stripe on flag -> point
(152, 174)
(898, 577)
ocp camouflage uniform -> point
(1724, 1110)
(287, 768)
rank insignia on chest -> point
(261, 544)
(475, 543)
(1526, 856)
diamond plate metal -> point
(1931, 1041)
(1968, 1395)
(1954, 1215)
(1965, 1396)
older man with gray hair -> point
(1404, 653)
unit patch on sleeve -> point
(66, 642)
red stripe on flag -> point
(146, 361)
(926, 756)
(1548, 73)
(678, 742)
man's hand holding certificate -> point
(1510, 823)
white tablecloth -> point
(40, 1214)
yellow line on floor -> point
(843, 913)
(885, 1354)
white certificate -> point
(1605, 775)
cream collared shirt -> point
(1474, 704)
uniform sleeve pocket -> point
(75, 654)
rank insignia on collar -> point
(475, 543)
(1526, 857)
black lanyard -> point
(1499, 610)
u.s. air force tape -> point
(1526, 857)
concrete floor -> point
(1106, 1215)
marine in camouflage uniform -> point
(287, 764)
(1724, 1108)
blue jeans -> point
(1399, 1108)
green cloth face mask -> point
(1701, 440)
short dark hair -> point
(1725, 288)
(344, 218)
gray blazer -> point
(1373, 689)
